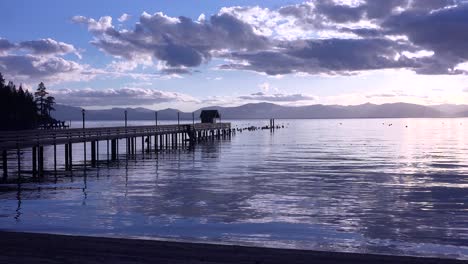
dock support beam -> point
(41, 160)
(70, 156)
(55, 157)
(93, 153)
(114, 149)
(66, 157)
(34, 161)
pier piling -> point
(41, 160)
(165, 137)
(34, 161)
(66, 157)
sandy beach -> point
(46, 248)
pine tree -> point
(18, 108)
(40, 95)
(49, 105)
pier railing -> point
(28, 138)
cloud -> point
(214, 78)
(317, 37)
(48, 47)
(441, 32)
(265, 87)
(178, 42)
(381, 95)
(277, 97)
(330, 56)
(465, 90)
(100, 25)
(41, 60)
(5, 45)
(28, 67)
(395, 93)
(124, 17)
(115, 97)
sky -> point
(192, 54)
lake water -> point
(393, 186)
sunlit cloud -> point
(116, 97)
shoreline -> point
(19, 247)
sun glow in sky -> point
(186, 55)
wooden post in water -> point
(107, 150)
(70, 156)
(34, 161)
(127, 146)
(55, 156)
(41, 160)
(66, 157)
(93, 153)
(155, 142)
(113, 149)
(148, 143)
(131, 145)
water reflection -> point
(359, 186)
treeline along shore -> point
(20, 109)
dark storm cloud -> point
(179, 42)
(319, 10)
(366, 35)
(431, 4)
(377, 9)
(6, 45)
(326, 56)
(341, 13)
(176, 71)
(444, 32)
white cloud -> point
(42, 60)
(100, 25)
(116, 97)
(48, 46)
(201, 18)
(124, 17)
(277, 97)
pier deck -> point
(30, 138)
(152, 138)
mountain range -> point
(269, 110)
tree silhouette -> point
(49, 104)
(40, 95)
(19, 109)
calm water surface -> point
(359, 186)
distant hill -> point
(269, 110)
(456, 110)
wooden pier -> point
(153, 138)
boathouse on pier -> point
(209, 116)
